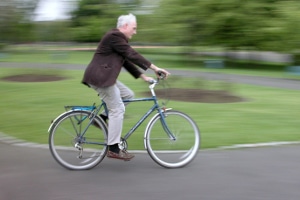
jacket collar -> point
(117, 31)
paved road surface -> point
(268, 173)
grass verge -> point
(269, 114)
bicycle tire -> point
(66, 131)
(165, 151)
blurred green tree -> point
(291, 16)
(234, 24)
(53, 31)
(15, 20)
(93, 18)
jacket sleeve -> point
(120, 45)
(132, 69)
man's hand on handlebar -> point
(160, 73)
(147, 78)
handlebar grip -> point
(161, 75)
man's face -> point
(130, 29)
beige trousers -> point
(113, 96)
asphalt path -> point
(263, 173)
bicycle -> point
(77, 137)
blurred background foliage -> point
(267, 25)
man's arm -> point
(120, 45)
(132, 69)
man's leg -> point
(125, 93)
(116, 109)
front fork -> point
(161, 112)
(165, 125)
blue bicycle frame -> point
(95, 110)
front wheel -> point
(76, 142)
(173, 140)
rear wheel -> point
(172, 141)
(75, 143)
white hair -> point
(125, 19)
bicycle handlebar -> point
(161, 76)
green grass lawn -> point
(268, 114)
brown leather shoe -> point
(122, 155)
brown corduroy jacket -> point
(113, 53)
